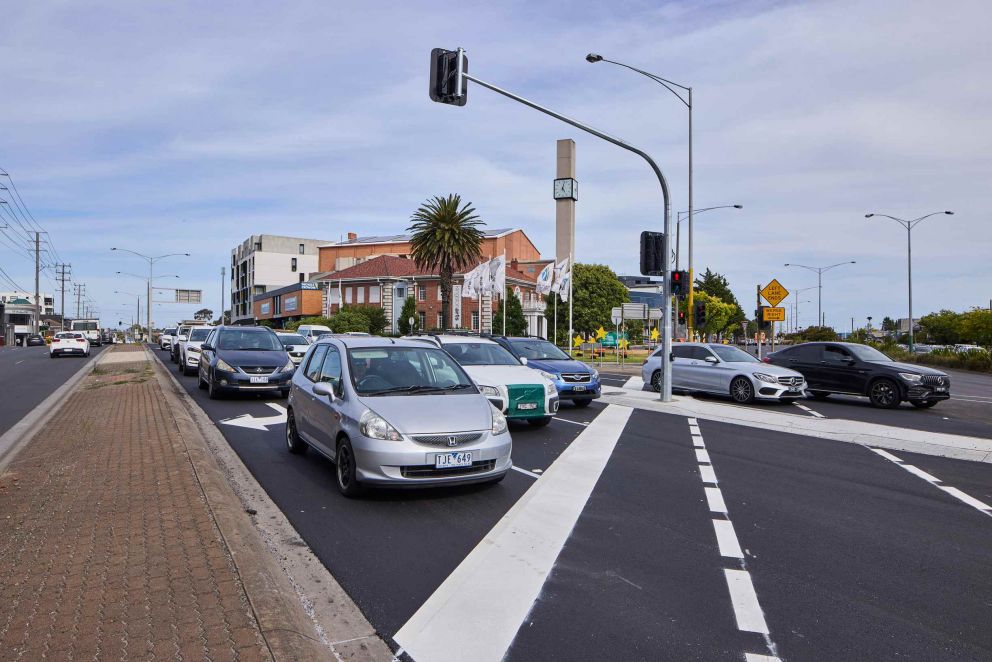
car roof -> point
(453, 339)
(369, 341)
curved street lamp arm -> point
(155, 259)
(128, 250)
(836, 265)
(793, 264)
(900, 221)
(658, 79)
(916, 221)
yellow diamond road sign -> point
(774, 293)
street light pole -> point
(151, 271)
(819, 284)
(678, 226)
(909, 225)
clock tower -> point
(566, 193)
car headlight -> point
(192, 350)
(548, 375)
(595, 374)
(289, 367)
(499, 421)
(374, 426)
(765, 378)
(224, 365)
(489, 390)
(549, 388)
(910, 377)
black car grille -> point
(450, 440)
(576, 378)
(790, 381)
(257, 369)
(935, 380)
(428, 471)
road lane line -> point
(476, 612)
(524, 471)
(702, 455)
(747, 611)
(694, 429)
(751, 657)
(634, 384)
(697, 441)
(714, 497)
(807, 409)
(707, 474)
(565, 420)
(693, 421)
(980, 506)
(726, 538)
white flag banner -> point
(545, 279)
(471, 288)
(497, 275)
(560, 270)
(482, 284)
(565, 285)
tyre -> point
(296, 445)
(345, 469)
(212, 391)
(284, 393)
(819, 395)
(199, 380)
(51, 356)
(742, 390)
(539, 422)
(884, 393)
(656, 381)
(582, 404)
(923, 404)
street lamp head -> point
(594, 57)
(738, 206)
(787, 264)
(949, 213)
(869, 215)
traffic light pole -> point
(666, 313)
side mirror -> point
(523, 360)
(325, 389)
(712, 360)
(206, 346)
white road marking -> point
(807, 409)
(752, 657)
(524, 471)
(707, 474)
(702, 455)
(259, 422)
(693, 421)
(634, 384)
(747, 611)
(694, 429)
(19, 362)
(714, 497)
(697, 441)
(476, 612)
(726, 538)
(972, 398)
(565, 420)
(980, 506)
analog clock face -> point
(564, 189)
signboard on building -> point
(189, 296)
(265, 308)
(289, 304)
(309, 285)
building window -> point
(438, 292)
(359, 295)
(302, 248)
(440, 321)
(374, 294)
(293, 264)
(258, 246)
(234, 263)
(423, 319)
(302, 277)
(276, 305)
(347, 294)
(260, 289)
(475, 320)
(421, 293)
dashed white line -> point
(747, 611)
(726, 538)
(714, 497)
(524, 471)
(808, 410)
(565, 420)
(702, 455)
(707, 474)
(978, 505)
(697, 441)
(752, 657)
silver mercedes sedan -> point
(394, 413)
(724, 370)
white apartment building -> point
(47, 300)
(266, 262)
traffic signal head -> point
(681, 317)
(446, 84)
(699, 314)
(680, 280)
(654, 253)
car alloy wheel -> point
(293, 441)
(656, 381)
(884, 394)
(345, 469)
(741, 390)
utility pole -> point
(80, 290)
(757, 334)
(62, 277)
(37, 282)
(223, 282)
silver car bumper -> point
(767, 391)
(409, 464)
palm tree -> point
(446, 238)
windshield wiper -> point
(416, 388)
(457, 387)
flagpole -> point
(504, 293)
(555, 294)
(571, 267)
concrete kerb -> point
(302, 610)
(953, 446)
(21, 433)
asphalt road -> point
(29, 376)
(851, 555)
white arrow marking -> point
(260, 422)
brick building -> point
(288, 304)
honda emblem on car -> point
(452, 441)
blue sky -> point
(187, 126)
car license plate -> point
(449, 460)
(259, 380)
(940, 389)
(794, 389)
(578, 389)
(527, 405)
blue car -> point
(574, 379)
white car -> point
(295, 344)
(312, 331)
(189, 349)
(69, 342)
(519, 392)
(165, 338)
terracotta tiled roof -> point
(390, 266)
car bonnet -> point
(426, 413)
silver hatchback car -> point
(394, 413)
(724, 370)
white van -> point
(312, 331)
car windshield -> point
(199, 335)
(170, 332)
(732, 354)
(405, 371)
(248, 339)
(539, 350)
(866, 353)
(477, 353)
(289, 341)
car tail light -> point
(765, 359)
(55, 339)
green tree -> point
(942, 328)
(718, 313)
(596, 291)
(976, 326)
(409, 311)
(716, 285)
(446, 238)
(889, 325)
(203, 314)
(818, 334)
(374, 315)
(516, 323)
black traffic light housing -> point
(654, 252)
(680, 283)
(682, 317)
(699, 314)
(444, 83)
(759, 317)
